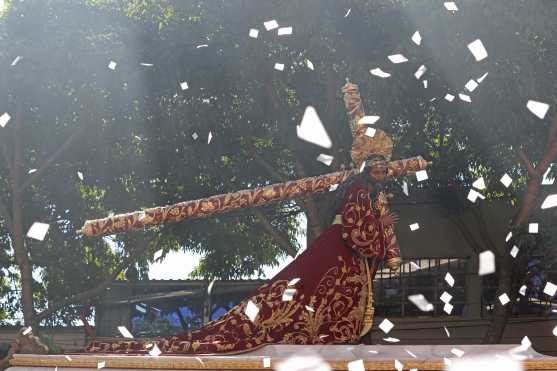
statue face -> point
(377, 174)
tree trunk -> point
(18, 235)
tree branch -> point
(526, 161)
(281, 239)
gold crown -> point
(364, 146)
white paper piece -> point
(397, 58)
(347, 12)
(288, 294)
(555, 331)
(101, 364)
(184, 85)
(449, 279)
(285, 31)
(537, 108)
(210, 287)
(414, 227)
(487, 263)
(504, 299)
(309, 64)
(311, 129)
(509, 236)
(533, 227)
(415, 266)
(457, 352)
(333, 187)
(446, 297)
(547, 180)
(405, 187)
(522, 290)
(303, 362)
(379, 73)
(251, 310)
(477, 49)
(266, 362)
(451, 6)
(112, 65)
(16, 60)
(155, 352)
(506, 180)
(421, 175)
(68, 358)
(448, 308)
(550, 201)
(38, 231)
(270, 25)
(195, 136)
(368, 120)
(80, 175)
(417, 38)
(31, 171)
(386, 326)
(309, 309)
(391, 340)
(482, 78)
(146, 64)
(398, 366)
(125, 332)
(370, 132)
(479, 184)
(356, 365)
(471, 85)
(27, 331)
(4, 119)
(550, 289)
(279, 66)
(449, 97)
(201, 46)
(253, 33)
(293, 281)
(514, 251)
(209, 137)
(421, 302)
(420, 72)
(425, 84)
(473, 195)
(326, 159)
(410, 353)
(465, 98)
(447, 331)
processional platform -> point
(374, 357)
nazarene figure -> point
(325, 296)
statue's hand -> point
(393, 265)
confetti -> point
(399, 366)
(379, 73)
(550, 289)
(146, 64)
(504, 299)
(38, 231)
(514, 251)
(279, 66)
(195, 136)
(477, 49)
(410, 353)
(481, 79)
(550, 201)
(506, 180)
(449, 97)
(309, 309)
(417, 38)
(16, 60)
(479, 183)
(4, 119)
(522, 290)
(421, 302)
(391, 340)
(425, 84)
(303, 363)
(80, 175)
(326, 159)
(420, 72)
(415, 266)
(449, 279)
(31, 171)
(309, 64)
(155, 352)
(487, 263)
(311, 129)
(348, 12)
(368, 120)
(210, 287)
(288, 294)
(555, 331)
(27, 331)
(386, 326)
(293, 281)
(457, 352)
(448, 308)
(266, 362)
(68, 358)
(101, 365)
(270, 25)
(509, 236)
(253, 33)
(446, 297)
(397, 58)
(447, 331)
(112, 65)
(202, 46)
(465, 98)
(333, 187)
(251, 310)
(471, 85)
(414, 227)
(533, 228)
(405, 187)
(184, 85)
(546, 179)
(421, 175)
(285, 31)
(373, 351)
(125, 332)
(537, 108)
(473, 195)
(451, 6)
(370, 132)
(209, 137)
(356, 365)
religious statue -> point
(325, 296)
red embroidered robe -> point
(333, 300)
